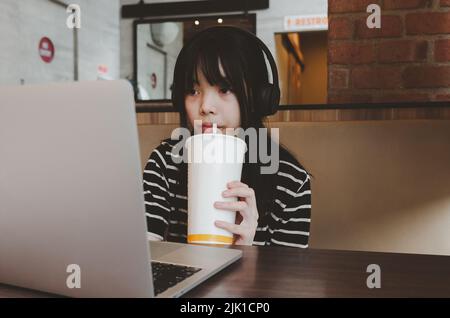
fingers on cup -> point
(236, 183)
(231, 206)
(230, 227)
(243, 192)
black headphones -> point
(268, 98)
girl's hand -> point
(247, 217)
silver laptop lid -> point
(71, 190)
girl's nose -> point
(207, 106)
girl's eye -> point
(225, 90)
(192, 92)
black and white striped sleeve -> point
(156, 193)
(292, 223)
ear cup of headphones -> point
(269, 99)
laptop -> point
(72, 216)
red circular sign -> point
(46, 50)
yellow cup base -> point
(209, 238)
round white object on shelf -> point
(164, 33)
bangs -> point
(206, 57)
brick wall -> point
(407, 59)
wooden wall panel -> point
(323, 115)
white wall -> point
(99, 37)
(24, 22)
(268, 22)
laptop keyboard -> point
(168, 275)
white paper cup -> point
(213, 161)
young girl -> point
(219, 76)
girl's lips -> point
(208, 128)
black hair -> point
(242, 61)
(244, 65)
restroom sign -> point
(306, 22)
(46, 50)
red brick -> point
(402, 51)
(376, 77)
(391, 26)
(426, 76)
(338, 78)
(442, 50)
(445, 3)
(344, 6)
(428, 23)
(400, 98)
(351, 53)
(404, 4)
(340, 28)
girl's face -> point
(212, 104)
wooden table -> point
(269, 272)
(290, 272)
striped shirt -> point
(285, 223)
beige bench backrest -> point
(377, 186)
